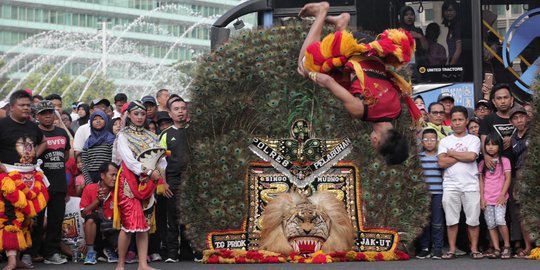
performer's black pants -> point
(56, 208)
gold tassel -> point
(21, 201)
(41, 201)
(21, 241)
(153, 221)
(8, 185)
(160, 190)
(28, 237)
(535, 254)
(116, 212)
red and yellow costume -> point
(134, 190)
(362, 70)
(23, 195)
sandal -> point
(506, 253)
(523, 254)
(477, 255)
(449, 256)
(493, 255)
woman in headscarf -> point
(98, 147)
(135, 185)
(83, 110)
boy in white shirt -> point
(457, 155)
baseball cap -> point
(149, 99)
(161, 116)
(44, 105)
(97, 101)
(517, 109)
(3, 104)
(444, 96)
(482, 102)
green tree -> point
(101, 87)
(46, 81)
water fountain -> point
(109, 52)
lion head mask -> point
(292, 222)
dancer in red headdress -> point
(360, 75)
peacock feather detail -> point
(249, 88)
(527, 182)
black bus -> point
(461, 43)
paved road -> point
(462, 263)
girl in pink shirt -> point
(494, 184)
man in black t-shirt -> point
(499, 122)
(20, 142)
(54, 159)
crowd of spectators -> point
(470, 163)
(81, 162)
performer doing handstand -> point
(369, 91)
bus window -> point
(443, 40)
(515, 65)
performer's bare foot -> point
(119, 268)
(21, 265)
(11, 263)
(313, 9)
(146, 268)
(341, 21)
(9, 267)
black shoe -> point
(197, 256)
(171, 259)
(437, 255)
(423, 254)
(172, 256)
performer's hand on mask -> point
(168, 192)
(321, 79)
(155, 175)
(2, 168)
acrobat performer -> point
(369, 91)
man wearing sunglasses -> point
(436, 117)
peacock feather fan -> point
(249, 88)
(527, 186)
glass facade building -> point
(162, 24)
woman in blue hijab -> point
(98, 148)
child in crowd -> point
(494, 186)
(433, 176)
(116, 125)
(98, 147)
